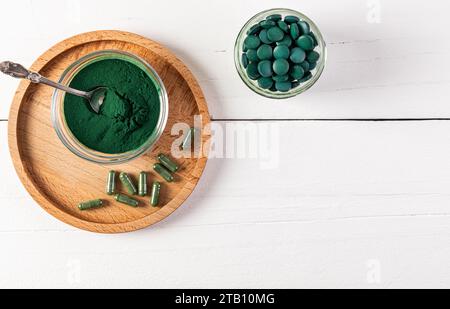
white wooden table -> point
(352, 202)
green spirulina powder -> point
(128, 115)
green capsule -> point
(168, 163)
(111, 183)
(90, 204)
(143, 184)
(187, 142)
(163, 172)
(128, 183)
(156, 188)
(122, 198)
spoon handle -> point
(18, 71)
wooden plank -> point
(351, 204)
(406, 252)
(375, 70)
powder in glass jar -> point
(128, 115)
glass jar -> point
(252, 84)
(67, 137)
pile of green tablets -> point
(279, 53)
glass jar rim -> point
(67, 137)
(238, 50)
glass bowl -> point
(252, 84)
(67, 137)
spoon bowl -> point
(97, 97)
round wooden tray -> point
(58, 180)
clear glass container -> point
(65, 134)
(252, 84)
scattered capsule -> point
(168, 163)
(111, 183)
(163, 172)
(143, 184)
(187, 142)
(128, 183)
(155, 194)
(122, 198)
(90, 204)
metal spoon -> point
(95, 97)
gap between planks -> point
(246, 223)
(323, 119)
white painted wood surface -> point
(398, 68)
(346, 195)
(351, 204)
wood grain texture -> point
(58, 180)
